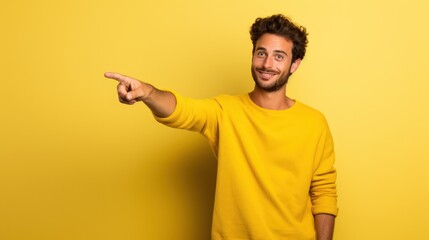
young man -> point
(276, 178)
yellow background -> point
(76, 164)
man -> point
(276, 178)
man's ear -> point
(295, 65)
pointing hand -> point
(130, 90)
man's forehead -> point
(273, 42)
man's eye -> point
(280, 57)
(260, 54)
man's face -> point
(272, 62)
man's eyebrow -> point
(280, 51)
(261, 48)
(276, 51)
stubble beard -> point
(278, 84)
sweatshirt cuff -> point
(325, 210)
(173, 116)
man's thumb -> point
(134, 94)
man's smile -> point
(266, 74)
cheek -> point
(256, 62)
(284, 67)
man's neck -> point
(276, 100)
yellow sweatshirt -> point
(275, 167)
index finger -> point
(116, 76)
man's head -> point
(278, 48)
(284, 27)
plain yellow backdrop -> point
(76, 164)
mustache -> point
(268, 70)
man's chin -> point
(269, 87)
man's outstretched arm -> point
(130, 91)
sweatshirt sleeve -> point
(199, 115)
(323, 189)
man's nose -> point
(268, 63)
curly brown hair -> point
(282, 26)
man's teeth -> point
(267, 74)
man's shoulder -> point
(226, 99)
(230, 97)
(307, 108)
(310, 112)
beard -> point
(279, 83)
